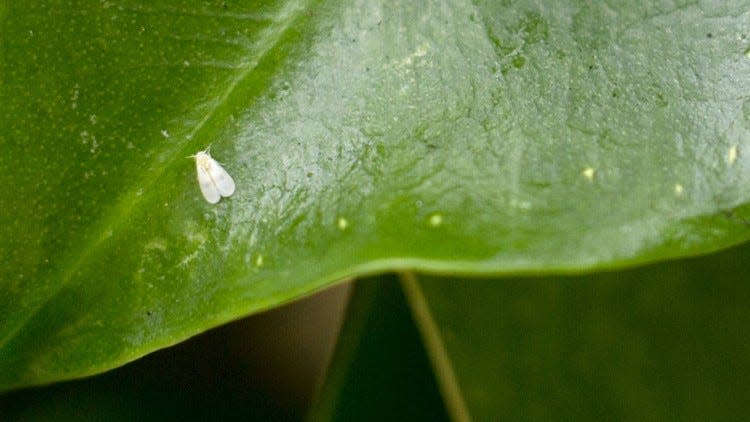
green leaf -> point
(477, 138)
(200, 379)
(664, 342)
(380, 370)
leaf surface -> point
(364, 136)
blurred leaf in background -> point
(663, 342)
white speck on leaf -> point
(588, 173)
(732, 154)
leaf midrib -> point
(435, 346)
(114, 219)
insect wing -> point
(224, 182)
(208, 187)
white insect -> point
(214, 180)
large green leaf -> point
(452, 136)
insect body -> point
(215, 182)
